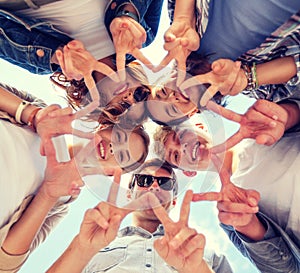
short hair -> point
(156, 162)
(160, 137)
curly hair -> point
(160, 136)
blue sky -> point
(203, 215)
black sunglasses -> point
(146, 180)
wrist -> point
(254, 230)
(129, 11)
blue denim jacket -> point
(148, 11)
(29, 43)
(276, 253)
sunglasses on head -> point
(146, 180)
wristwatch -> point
(125, 12)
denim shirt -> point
(29, 43)
(276, 253)
(133, 251)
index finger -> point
(223, 172)
(141, 57)
(160, 211)
(185, 207)
(226, 113)
(120, 63)
(114, 189)
(208, 94)
(229, 143)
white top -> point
(82, 20)
(274, 172)
(22, 167)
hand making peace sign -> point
(264, 121)
(181, 247)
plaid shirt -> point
(285, 41)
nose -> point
(154, 187)
(175, 97)
(128, 97)
(110, 147)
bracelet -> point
(125, 12)
(19, 111)
(31, 118)
(251, 75)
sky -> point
(203, 215)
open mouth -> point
(101, 149)
(121, 89)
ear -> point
(193, 112)
(189, 173)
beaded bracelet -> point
(251, 75)
(31, 118)
(20, 110)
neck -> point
(147, 224)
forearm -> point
(277, 71)
(9, 103)
(30, 223)
(74, 259)
(293, 112)
(185, 10)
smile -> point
(101, 150)
(195, 151)
(121, 89)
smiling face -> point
(169, 104)
(165, 198)
(132, 91)
(187, 149)
(119, 147)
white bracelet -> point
(19, 111)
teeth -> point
(194, 152)
(101, 150)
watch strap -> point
(125, 12)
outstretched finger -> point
(86, 150)
(221, 167)
(181, 72)
(120, 61)
(142, 58)
(185, 207)
(228, 144)
(114, 189)
(168, 46)
(106, 70)
(160, 211)
(49, 151)
(61, 60)
(208, 94)
(207, 196)
(226, 113)
(86, 110)
(165, 61)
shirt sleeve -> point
(275, 253)
(12, 263)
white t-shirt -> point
(22, 167)
(274, 172)
(82, 20)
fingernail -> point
(273, 124)
(275, 117)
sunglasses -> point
(146, 180)
(141, 93)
